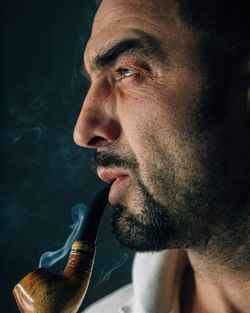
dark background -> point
(43, 173)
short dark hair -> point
(224, 46)
(224, 26)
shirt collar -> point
(156, 282)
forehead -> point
(115, 10)
(118, 19)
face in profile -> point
(157, 132)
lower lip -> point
(118, 189)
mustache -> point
(104, 159)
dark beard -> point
(152, 230)
(156, 227)
(209, 217)
(183, 225)
(211, 230)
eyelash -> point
(124, 72)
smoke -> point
(35, 131)
(109, 269)
(49, 258)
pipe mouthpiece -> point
(92, 219)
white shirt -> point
(155, 288)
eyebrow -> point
(146, 45)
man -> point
(168, 114)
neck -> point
(210, 287)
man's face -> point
(144, 114)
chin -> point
(137, 232)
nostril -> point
(97, 141)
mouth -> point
(120, 181)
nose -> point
(97, 124)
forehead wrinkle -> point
(131, 6)
(122, 14)
(111, 9)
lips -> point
(120, 182)
(110, 175)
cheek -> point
(156, 122)
(139, 114)
(143, 119)
(166, 103)
(151, 117)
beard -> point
(153, 229)
(158, 227)
(208, 212)
(192, 214)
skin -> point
(145, 110)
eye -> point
(124, 72)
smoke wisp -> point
(49, 258)
(109, 269)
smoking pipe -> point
(42, 291)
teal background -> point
(43, 173)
